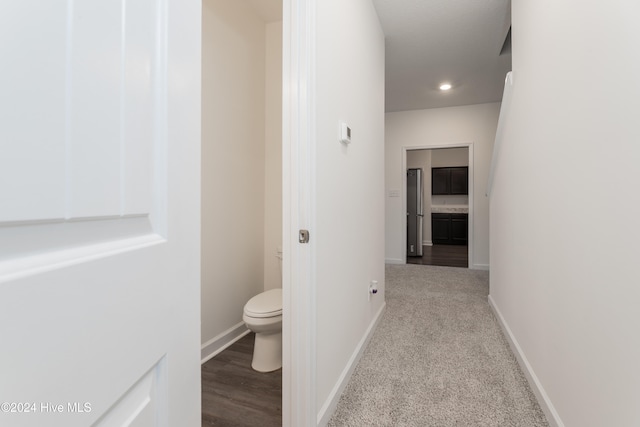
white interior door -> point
(99, 213)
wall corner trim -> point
(505, 106)
(541, 395)
(329, 407)
(217, 344)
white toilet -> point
(263, 315)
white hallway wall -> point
(240, 156)
(450, 157)
(565, 207)
(436, 127)
(349, 184)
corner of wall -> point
(217, 344)
(233, 91)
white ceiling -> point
(429, 42)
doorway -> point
(242, 244)
(445, 205)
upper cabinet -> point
(450, 181)
(440, 181)
(459, 180)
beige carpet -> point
(437, 358)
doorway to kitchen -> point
(438, 190)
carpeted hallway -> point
(437, 358)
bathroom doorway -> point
(242, 51)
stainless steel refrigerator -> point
(414, 212)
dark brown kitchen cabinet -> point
(459, 180)
(440, 228)
(447, 181)
(459, 229)
(449, 229)
(440, 181)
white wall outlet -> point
(373, 289)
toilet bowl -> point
(263, 315)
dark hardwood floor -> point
(443, 255)
(234, 395)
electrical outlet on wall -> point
(373, 289)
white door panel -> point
(78, 108)
(95, 72)
(32, 91)
(99, 213)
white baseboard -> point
(220, 342)
(329, 407)
(427, 243)
(543, 399)
(480, 267)
(393, 261)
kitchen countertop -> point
(450, 209)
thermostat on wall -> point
(345, 133)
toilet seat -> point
(264, 305)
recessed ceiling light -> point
(445, 86)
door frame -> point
(403, 224)
(298, 199)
